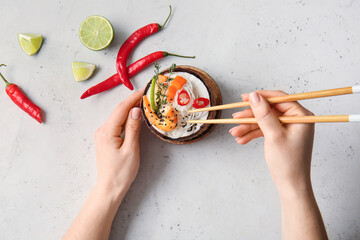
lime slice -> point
(30, 43)
(96, 33)
(82, 71)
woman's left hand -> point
(118, 159)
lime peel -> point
(30, 43)
(96, 32)
(82, 71)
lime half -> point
(96, 33)
(30, 43)
(82, 71)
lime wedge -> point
(30, 43)
(82, 71)
(96, 33)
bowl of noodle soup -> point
(198, 84)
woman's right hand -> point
(288, 147)
(288, 151)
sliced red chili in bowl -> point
(201, 102)
(183, 98)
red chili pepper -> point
(133, 69)
(20, 99)
(183, 98)
(129, 45)
(201, 102)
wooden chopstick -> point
(287, 98)
(298, 119)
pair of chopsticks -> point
(288, 98)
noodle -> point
(184, 128)
(195, 88)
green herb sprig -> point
(160, 95)
(157, 70)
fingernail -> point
(141, 90)
(254, 98)
(245, 96)
(231, 129)
(136, 113)
(235, 115)
(237, 139)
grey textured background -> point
(213, 189)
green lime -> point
(82, 71)
(30, 43)
(96, 32)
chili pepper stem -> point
(177, 55)
(162, 26)
(7, 83)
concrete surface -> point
(213, 189)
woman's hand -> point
(288, 148)
(287, 151)
(118, 158)
(118, 162)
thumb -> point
(132, 128)
(265, 117)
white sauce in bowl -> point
(196, 88)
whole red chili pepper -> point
(20, 99)
(133, 69)
(129, 44)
